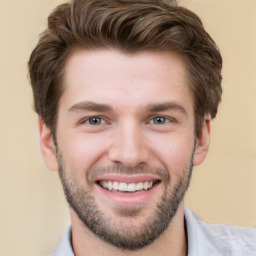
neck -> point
(171, 242)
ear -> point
(203, 142)
(47, 147)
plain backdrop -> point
(33, 211)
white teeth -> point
(131, 187)
(110, 185)
(122, 186)
(104, 184)
(126, 187)
(139, 186)
(146, 185)
(115, 185)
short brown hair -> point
(131, 26)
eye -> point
(159, 120)
(95, 120)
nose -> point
(129, 146)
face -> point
(125, 142)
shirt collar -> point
(199, 243)
(65, 246)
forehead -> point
(125, 79)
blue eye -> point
(159, 120)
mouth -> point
(117, 186)
(128, 189)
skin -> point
(134, 88)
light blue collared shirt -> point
(203, 239)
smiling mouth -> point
(127, 187)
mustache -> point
(95, 172)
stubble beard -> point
(125, 235)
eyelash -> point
(86, 120)
(151, 120)
(164, 118)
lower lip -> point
(129, 198)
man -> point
(125, 92)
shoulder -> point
(65, 245)
(239, 240)
(220, 239)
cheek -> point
(81, 151)
(174, 151)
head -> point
(153, 58)
(129, 26)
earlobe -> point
(47, 147)
(203, 142)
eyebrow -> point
(151, 108)
(91, 106)
(165, 106)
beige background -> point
(33, 211)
